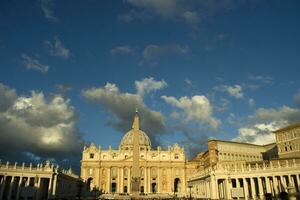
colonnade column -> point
(246, 190)
(260, 188)
(214, 189)
(298, 181)
(228, 188)
(253, 190)
(50, 187)
(19, 187)
(268, 188)
(158, 180)
(283, 183)
(3, 183)
(11, 187)
(275, 185)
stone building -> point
(230, 170)
(288, 141)
(162, 171)
(36, 183)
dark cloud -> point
(122, 106)
(39, 126)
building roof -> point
(236, 142)
(289, 127)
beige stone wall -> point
(288, 141)
(107, 168)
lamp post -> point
(190, 186)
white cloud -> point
(34, 63)
(41, 126)
(152, 53)
(123, 50)
(191, 17)
(147, 85)
(258, 133)
(251, 103)
(297, 98)
(56, 48)
(235, 91)
(47, 8)
(196, 109)
(122, 106)
(259, 128)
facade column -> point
(129, 181)
(268, 188)
(11, 184)
(260, 188)
(122, 180)
(158, 180)
(3, 183)
(207, 189)
(108, 180)
(246, 190)
(253, 189)
(275, 185)
(237, 183)
(145, 180)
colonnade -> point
(227, 182)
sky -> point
(74, 72)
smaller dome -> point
(127, 140)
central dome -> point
(127, 140)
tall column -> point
(237, 183)
(3, 183)
(246, 190)
(11, 184)
(291, 182)
(253, 190)
(108, 180)
(158, 180)
(214, 189)
(275, 185)
(283, 183)
(298, 181)
(129, 181)
(145, 180)
(260, 188)
(135, 182)
(50, 187)
(19, 187)
(268, 188)
(122, 180)
(228, 188)
(38, 190)
(54, 184)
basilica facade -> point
(162, 171)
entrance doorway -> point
(113, 187)
(177, 185)
(89, 184)
(153, 187)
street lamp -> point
(190, 186)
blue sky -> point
(72, 72)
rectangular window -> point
(91, 155)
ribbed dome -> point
(127, 140)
